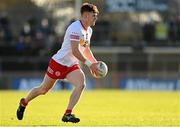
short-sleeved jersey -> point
(75, 32)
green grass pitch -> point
(96, 108)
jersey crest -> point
(84, 41)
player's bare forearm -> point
(88, 54)
(76, 52)
(79, 55)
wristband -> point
(88, 63)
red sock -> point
(68, 111)
(23, 102)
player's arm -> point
(76, 52)
(88, 54)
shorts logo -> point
(50, 70)
(57, 73)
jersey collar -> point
(82, 25)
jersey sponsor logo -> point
(76, 37)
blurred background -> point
(138, 39)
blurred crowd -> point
(164, 33)
(33, 39)
(39, 38)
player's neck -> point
(84, 24)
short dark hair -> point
(87, 7)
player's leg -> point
(45, 86)
(77, 78)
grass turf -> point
(112, 108)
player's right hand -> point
(94, 68)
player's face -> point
(92, 17)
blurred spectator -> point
(38, 43)
(161, 34)
(172, 30)
(26, 30)
(20, 46)
(178, 30)
(45, 26)
(102, 33)
(33, 26)
(149, 32)
(5, 31)
(56, 44)
(46, 29)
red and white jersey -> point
(75, 32)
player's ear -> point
(85, 14)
